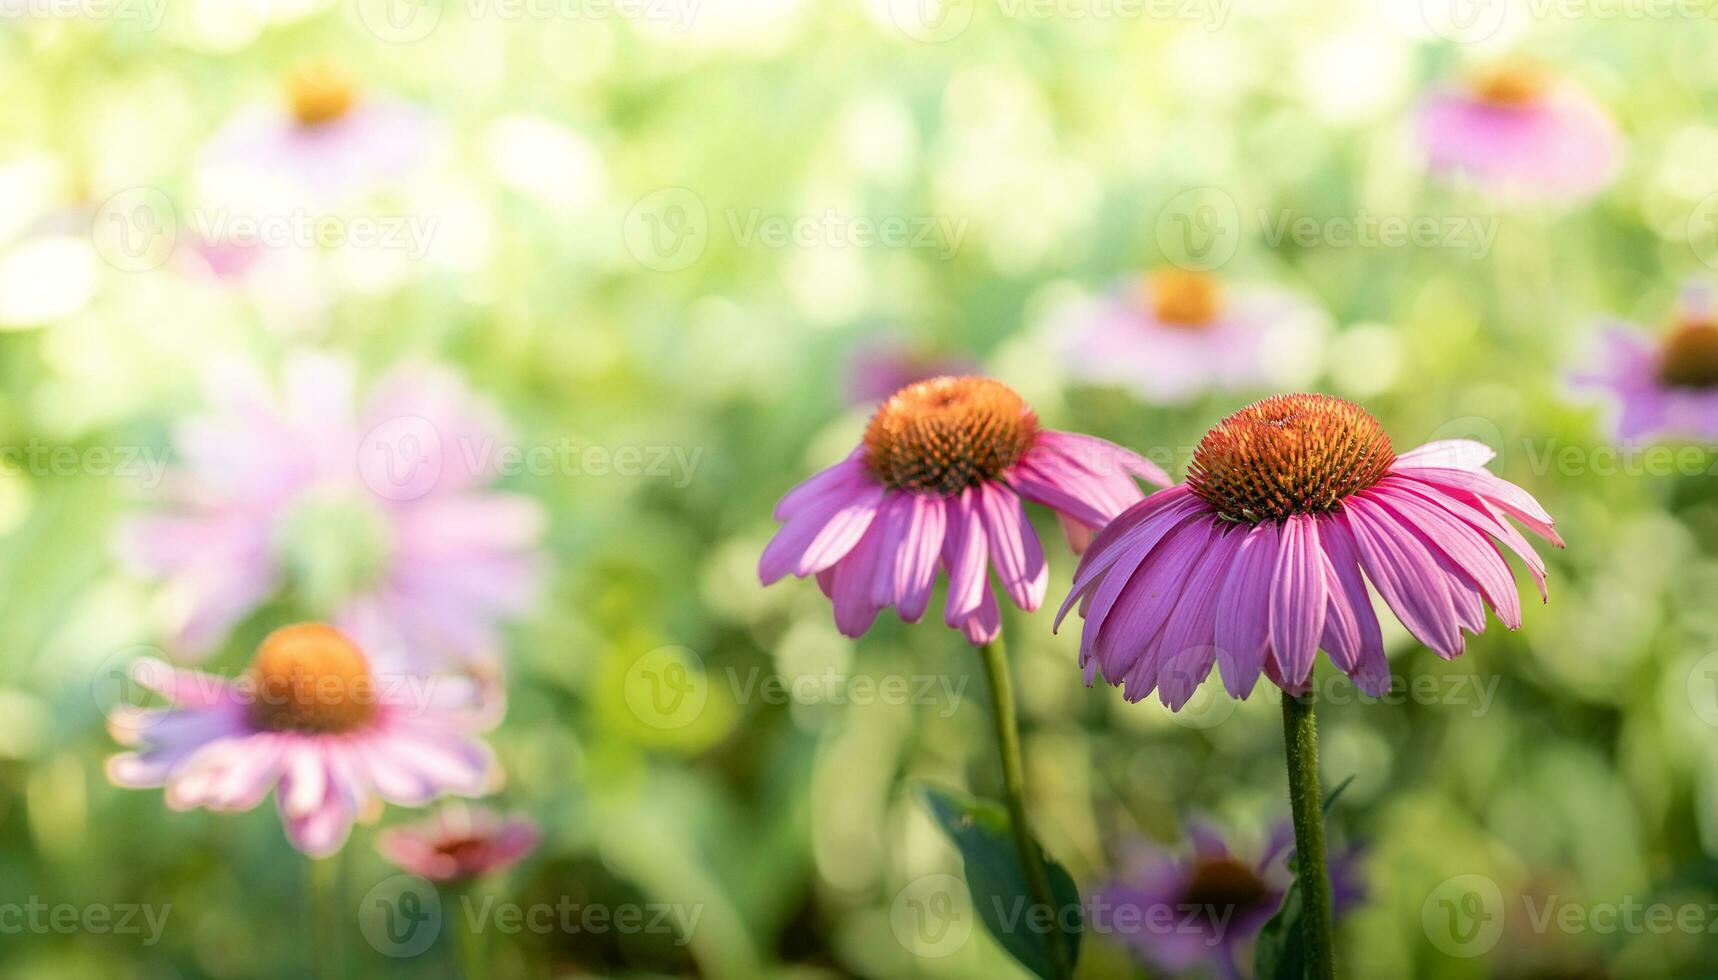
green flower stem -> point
(995, 659)
(1300, 738)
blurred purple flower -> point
(1522, 133)
(879, 368)
(376, 519)
(1179, 913)
(329, 139)
(1663, 388)
(1176, 334)
(459, 841)
(311, 721)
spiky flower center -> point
(945, 434)
(1221, 887)
(1290, 454)
(1689, 358)
(320, 92)
(1184, 298)
(1511, 84)
(310, 678)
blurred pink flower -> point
(313, 722)
(1522, 133)
(939, 479)
(377, 519)
(459, 841)
(881, 367)
(1176, 334)
(328, 138)
(1255, 562)
(1667, 387)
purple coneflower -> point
(312, 721)
(1177, 912)
(1177, 333)
(1291, 505)
(1667, 387)
(1262, 557)
(377, 517)
(329, 137)
(1522, 133)
(938, 480)
(459, 841)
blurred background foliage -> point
(1052, 144)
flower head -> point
(1177, 333)
(1521, 132)
(1667, 388)
(1291, 505)
(938, 480)
(1179, 911)
(375, 517)
(459, 841)
(327, 138)
(312, 721)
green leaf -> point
(980, 830)
(1278, 953)
(1330, 799)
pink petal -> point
(964, 555)
(1014, 548)
(1351, 632)
(1243, 609)
(1405, 574)
(1297, 598)
(1185, 647)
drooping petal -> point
(965, 553)
(1143, 609)
(1351, 632)
(1468, 507)
(1405, 574)
(855, 605)
(821, 535)
(844, 476)
(916, 561)
(985, 622)
(1185, 648)
(1120, 552)
(1297, 598)
(1500, 493)
(1244, 611)
(1013, 545)
(1478, 558)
